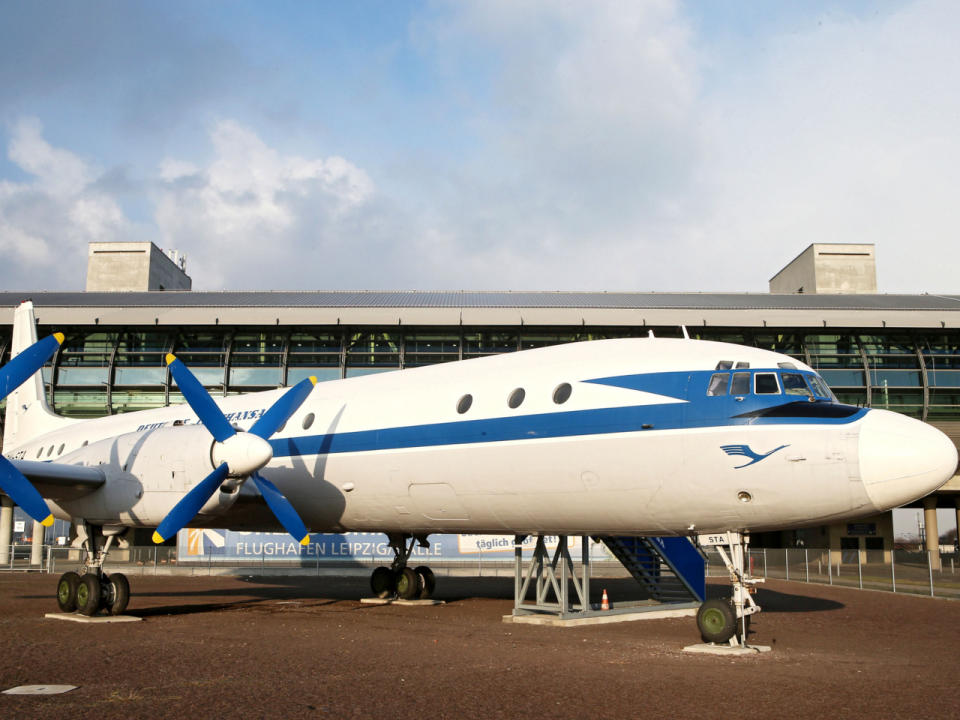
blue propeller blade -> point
(16, 372)
(283, 408)
(200, 401)
(23, 493)
(185, 510)
(282, 508)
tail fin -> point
(28, 413)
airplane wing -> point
(58, 481)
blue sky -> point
(495, 144)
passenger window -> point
(464, 404)
(718, 384)
(724, 365)
(794, 384)
(766, 384)
(562, 393)
(39, 452)
(60, 450)
(740, 384)
(308, 421)
(516, 397)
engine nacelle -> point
(147, 473)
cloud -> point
(252, 215)
(47, 220)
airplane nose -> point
(902, 459)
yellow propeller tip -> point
(59, 337)
(306, 540)
(313, 379)
(47, 521)
(170, 358)
(157, 538)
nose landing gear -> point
(400, 581)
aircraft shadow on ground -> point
(774, 601)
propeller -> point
(239, 454)
(13, 375)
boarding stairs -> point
(672, 569)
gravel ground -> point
(306, 647)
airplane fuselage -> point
(638, 436)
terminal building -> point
(900, 352)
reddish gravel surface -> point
(306, 647)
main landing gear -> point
(92, 590)
(727, 620)
(400, 581)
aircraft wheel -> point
(427, 581)
(409, 584)
(382, 582)
(716, 621)
(67, 591)
(88, 594)
(119, 593)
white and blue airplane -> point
(636, 437)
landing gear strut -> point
(727, 620)
(92, 590)
(398, 580)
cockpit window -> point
(718, 384)
(820, 387)
(741, 365)
(724, 365)
(740, 384)
(794, 384)
(766, 384)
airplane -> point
(643, 436)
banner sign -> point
(214, 545)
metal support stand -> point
(542, 577)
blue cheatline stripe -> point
(573, 423)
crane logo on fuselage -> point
(746, 452)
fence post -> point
(829, 566)
(893, 568)
(764, 563)
(806, 563)
(786, 562)
(860, 568)
(930, 571)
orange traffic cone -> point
(605, 603)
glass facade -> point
(101, 370)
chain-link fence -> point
(903, 571)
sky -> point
(626, 145)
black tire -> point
(716, 621)
(428, 582)
(383, 582)
(409, 584)
(67, 591)
(119, 593)
(88, 594)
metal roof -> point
(495, 308)
(480, 299)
